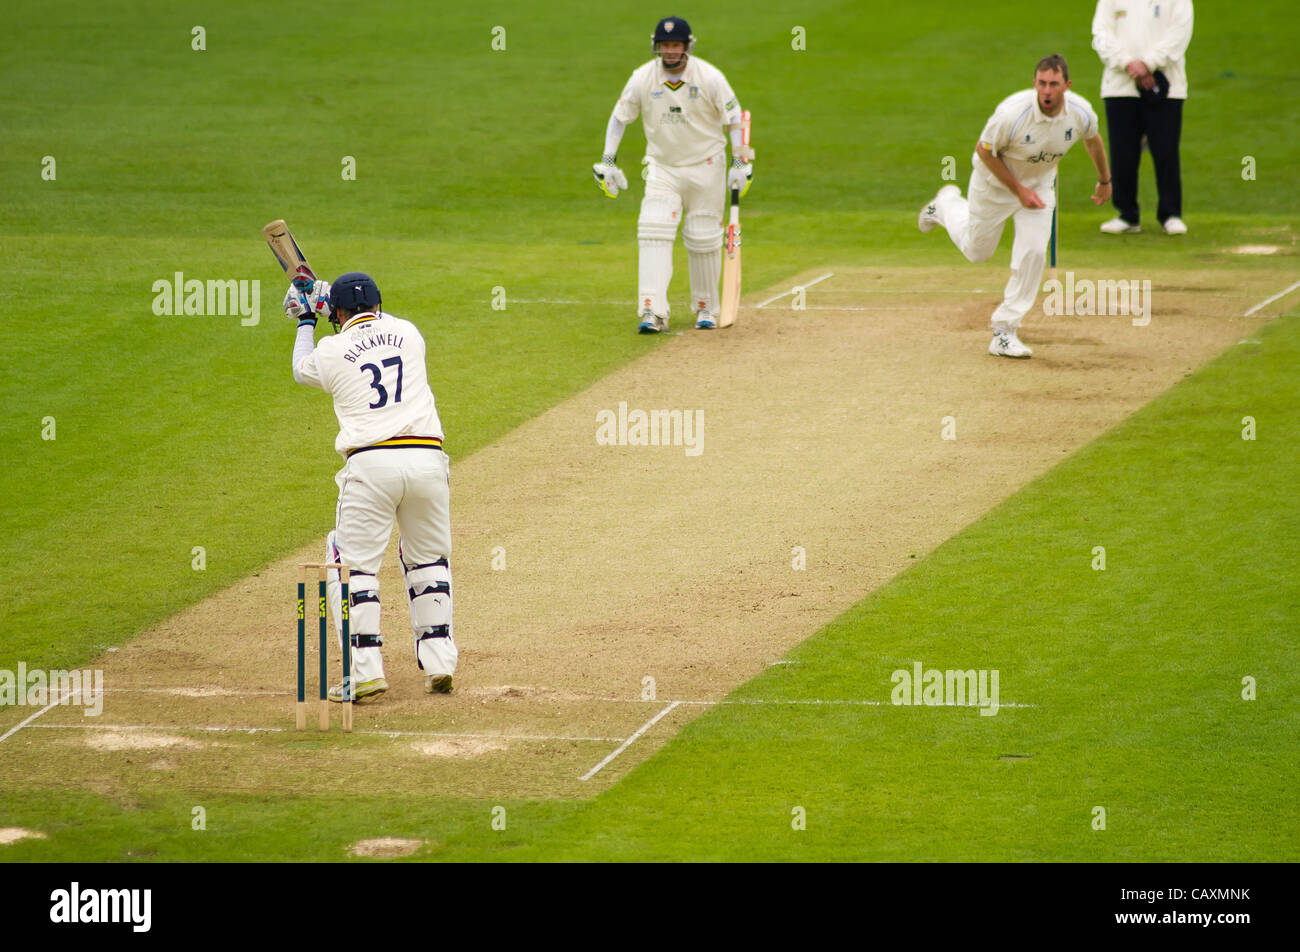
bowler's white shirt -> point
(684, 114)
(1031, 143)
(1156, 32)
(362, 367)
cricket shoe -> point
(1175, 226)
(652, 324)
(705, 321)
(1118, 226)
(372, 688)
(1006, 344)
(929, 216)
(437, 684)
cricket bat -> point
(731, 248)
(291, 258)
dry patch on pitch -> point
(111, 740)
(459, 747)
(12, 834)
(385, 847)
(597, 584)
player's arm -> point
(1097, 152)
(304, 366)
(609, 177)
(741, 173)
(1028, 197)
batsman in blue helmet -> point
(394, 472)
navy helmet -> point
(354, 291)
(673, 28)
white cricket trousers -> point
(975, 227)
(409, 486)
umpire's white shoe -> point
(652, 324)
(1118, 226)
(1006, 344)
(1175, 226)
(928, 217)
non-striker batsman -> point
(687, 108)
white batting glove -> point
(317, 304)
(609, 177)
(740, 176)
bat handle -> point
(735, 196)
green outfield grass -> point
(473, 173)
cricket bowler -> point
(1014, 176)
(685, 104)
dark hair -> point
(1053, 64)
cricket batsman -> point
(685, 104)
(1014, 177)
(394, 470)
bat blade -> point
(731, 266)
(286, 251)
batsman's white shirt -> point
(1030, 143)
(374, 368)
(683, 114)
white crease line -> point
(27, 720)
(848, 307)
(284, 730)
(630, 741)
(593, 699)
(907, 291)
(828, 274)
(846, 702)
(1265, 303)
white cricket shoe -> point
(1005, 343)
(929, 214)
(1175, 226)
(652, 324)
(705, 321)
(1118, 226)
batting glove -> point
(315, 304)
(740, 175)
(609, 177)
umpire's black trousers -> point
(1161, 121)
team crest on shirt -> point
(695, 92)
(1069, 134)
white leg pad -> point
(702, 235)
(654, 271)
(428, 588)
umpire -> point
(1142, 44)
